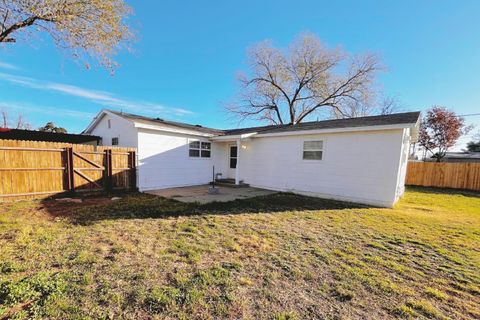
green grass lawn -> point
(277, 257)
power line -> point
(469, 115)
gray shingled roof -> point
(390, 119)
(170, 123)
(463, 155)
(33, 135)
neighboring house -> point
(421, 154)
(460, 157)
(360, 159)
(33, 135)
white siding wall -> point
(120, 128)
(163, 161)
(360, 166)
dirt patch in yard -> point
(52, 208)
(56, 208)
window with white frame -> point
(313, 150)
(199, 149)
(114, 141)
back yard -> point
(275, 257)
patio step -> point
(230, 183)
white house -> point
(360, 159)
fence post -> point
(108, 170)
(69, 169)
(132, 159)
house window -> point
(233, 157)
(109, 124)
(313, 150)
(206, 149)
(114, 141)
(199, 149)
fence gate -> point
(33, 168)
(87, 171)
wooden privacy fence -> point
(444, 175)
(35, 169)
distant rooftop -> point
(463, 155)
(33, 135)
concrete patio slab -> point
(200, 193)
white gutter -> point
(234, 137)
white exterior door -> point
(232, 161)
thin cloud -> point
(9, 66)
(54, 111)
(100, 97)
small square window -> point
(313, 150)
(114, 141)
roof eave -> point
(234, 137)
(171, 129)
(97, 119)
(337, 130)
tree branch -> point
(19, 25)
(342, 90)
(306, 80)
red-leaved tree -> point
(440, 130)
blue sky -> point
(188, 52)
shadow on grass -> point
(144, 206)
(463, 192)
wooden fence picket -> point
(444, 175)
(39, 169)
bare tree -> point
(19, 123)
(477, 136)
(382, 105)
(474, 145)
(389, 105)
(87, 28)
(4, 119)
(352, 109)
(288, 87)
